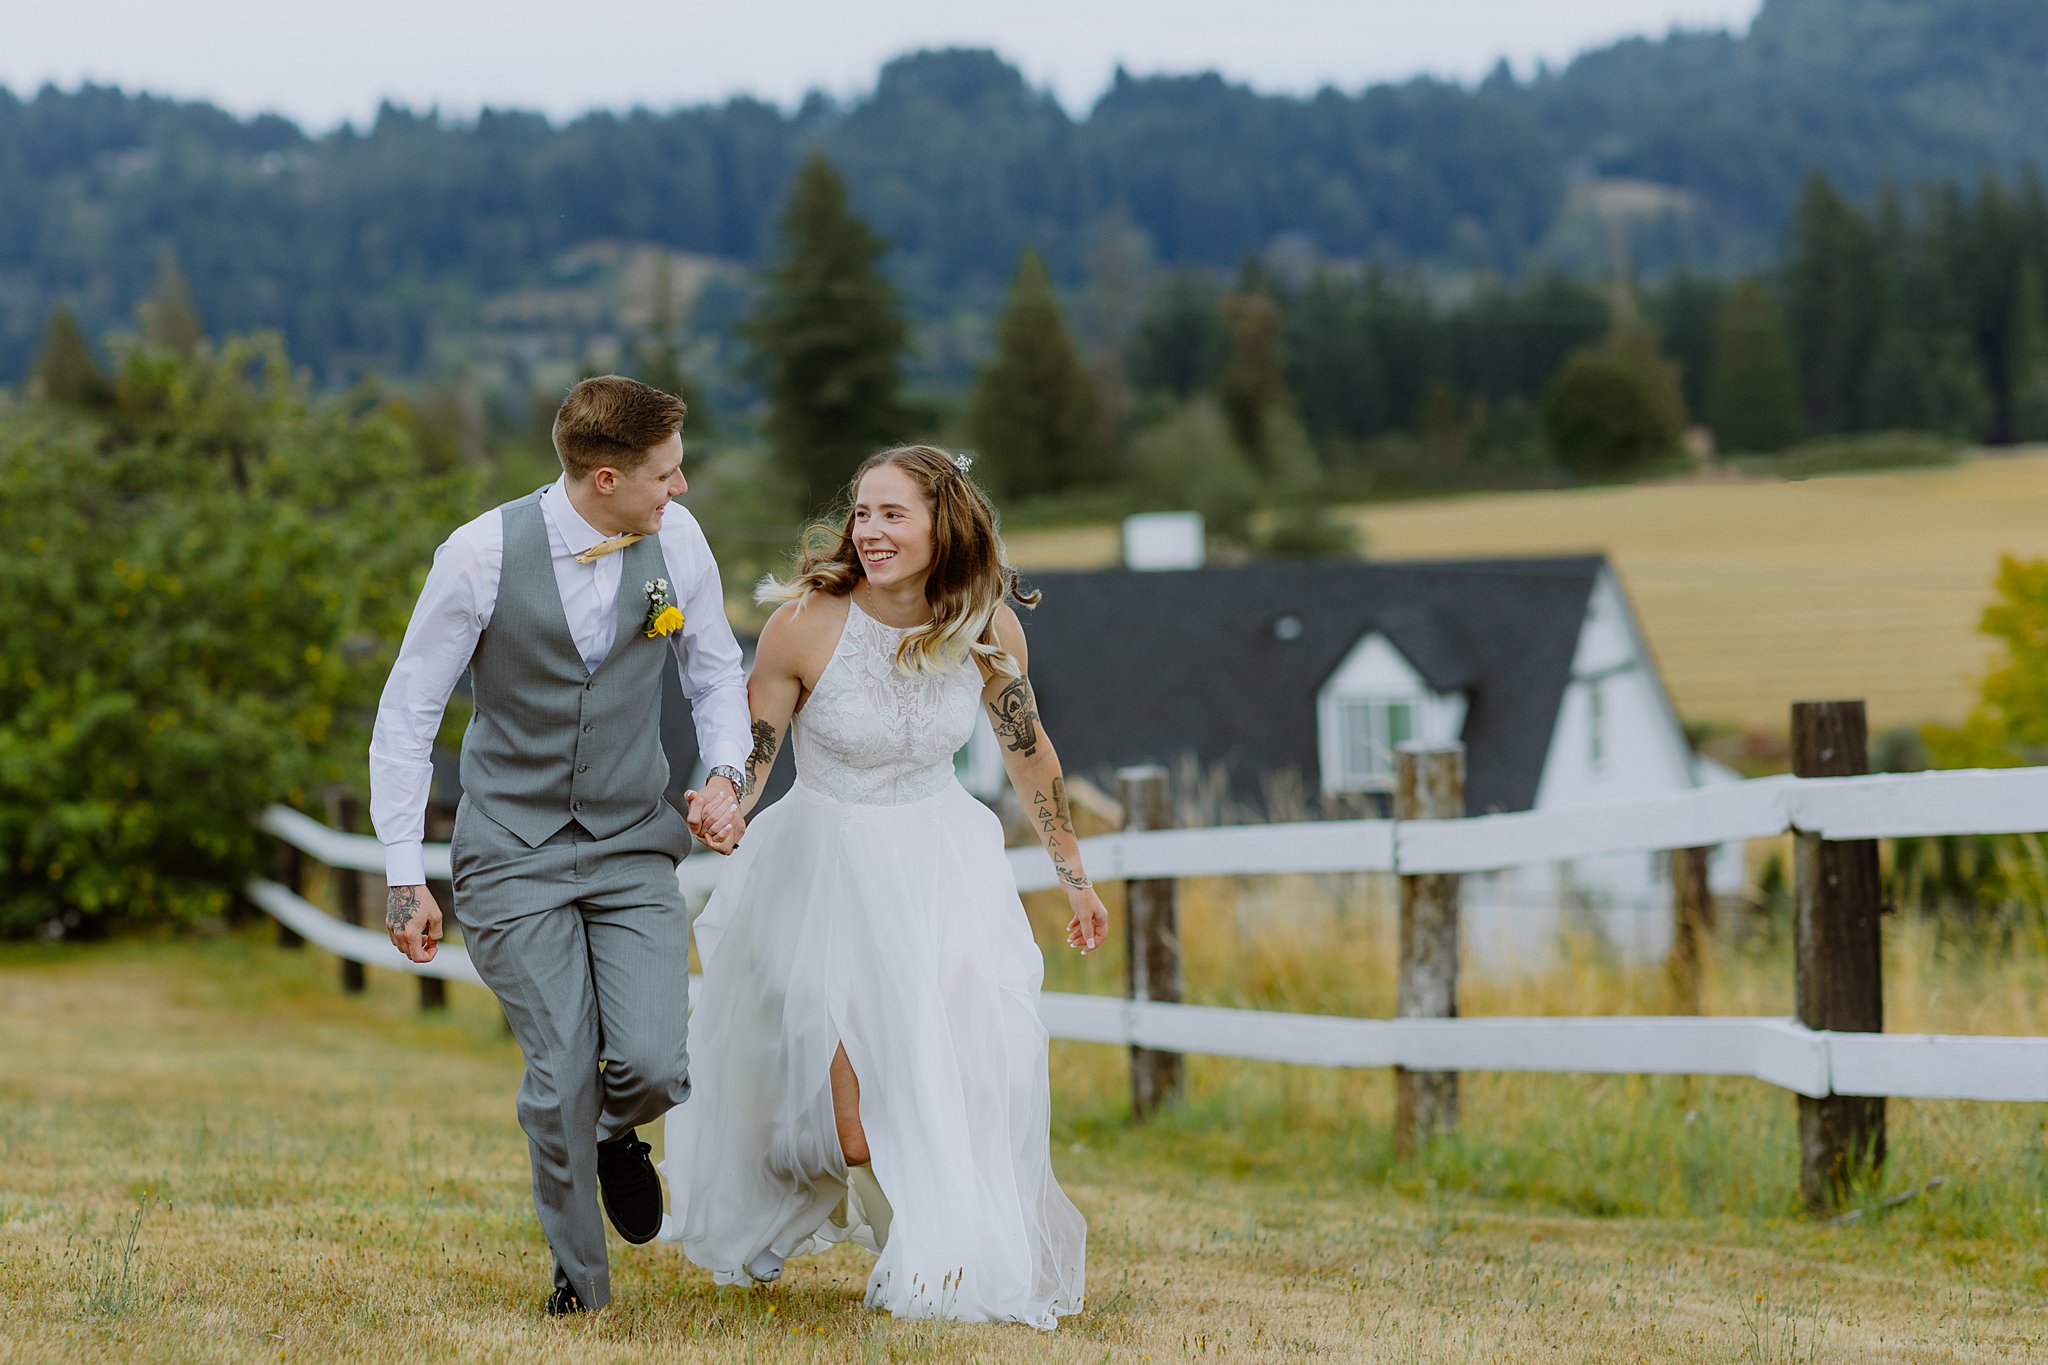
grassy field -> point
(1754, 594)
(207, 1152)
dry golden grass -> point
(319, 1177)
(1757, 594)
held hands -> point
(414, 919)
(714, 815)
(1090, 924)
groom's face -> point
(637, 499)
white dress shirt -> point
(455, 606)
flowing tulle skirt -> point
(895, 931)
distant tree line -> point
(375, 248)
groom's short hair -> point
(612, 420)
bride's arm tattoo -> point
(1056, 817)
(1015, 712)
(763, 756)
(400, 906)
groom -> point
(564, 606)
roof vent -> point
(1163, 540)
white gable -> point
(1371, 702)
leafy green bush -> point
(1614, 409)
(198, 604)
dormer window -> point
(1369, 730)
(1372, 703)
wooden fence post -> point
(291, 874)
(1691, 919)
(1429, 785)
(348, 885)
(1152, 969)
(1836, 945)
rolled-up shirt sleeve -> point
(439, 642)
(708, 658)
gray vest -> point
(550, 741)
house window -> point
(1368, 731)
(1596, 725)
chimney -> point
(1156, 541)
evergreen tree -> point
(1988, 281)
(1753, 401)
(1832, 291)
(1253, 386)
(830, 339)
(169, 317)
(1035, 417)
(1180, 344)
(66, 372)
(1688, 313)
(1333, 366)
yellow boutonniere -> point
(664, 617)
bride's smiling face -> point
(892, 528)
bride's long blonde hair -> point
(969, 576)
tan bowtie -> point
(605, 547)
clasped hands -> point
(713, 815)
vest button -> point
(590, 686)
(588, 728)
(575, 805)
(582, 767)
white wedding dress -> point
(874, 907)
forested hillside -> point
(386, 247)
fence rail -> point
(1781, 1052)
(1888, 806)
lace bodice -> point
(875, 734)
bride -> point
(868, 1061)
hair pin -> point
(963, 463)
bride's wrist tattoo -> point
(1056, 818)
(400, 906)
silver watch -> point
(732, 775)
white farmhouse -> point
(1303, 678)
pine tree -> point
(1253, 385)
(66, 372)
(1180, 344)
(1753, 396)
(1333, 365)
(169, 316)
(1832, 294)
(1035, 417)
(830, 338)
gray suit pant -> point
(585, 942)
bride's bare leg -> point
(853, 1139)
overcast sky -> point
(325, 62)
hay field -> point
(1754, 594)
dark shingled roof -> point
(1149, 667)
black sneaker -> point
(562, 1303)
(631, 1189)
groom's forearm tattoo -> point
(763, 756)
(402, 904)
(1055, 817)
(1016, 717)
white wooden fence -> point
(1778, 1051)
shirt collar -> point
(570, 527)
